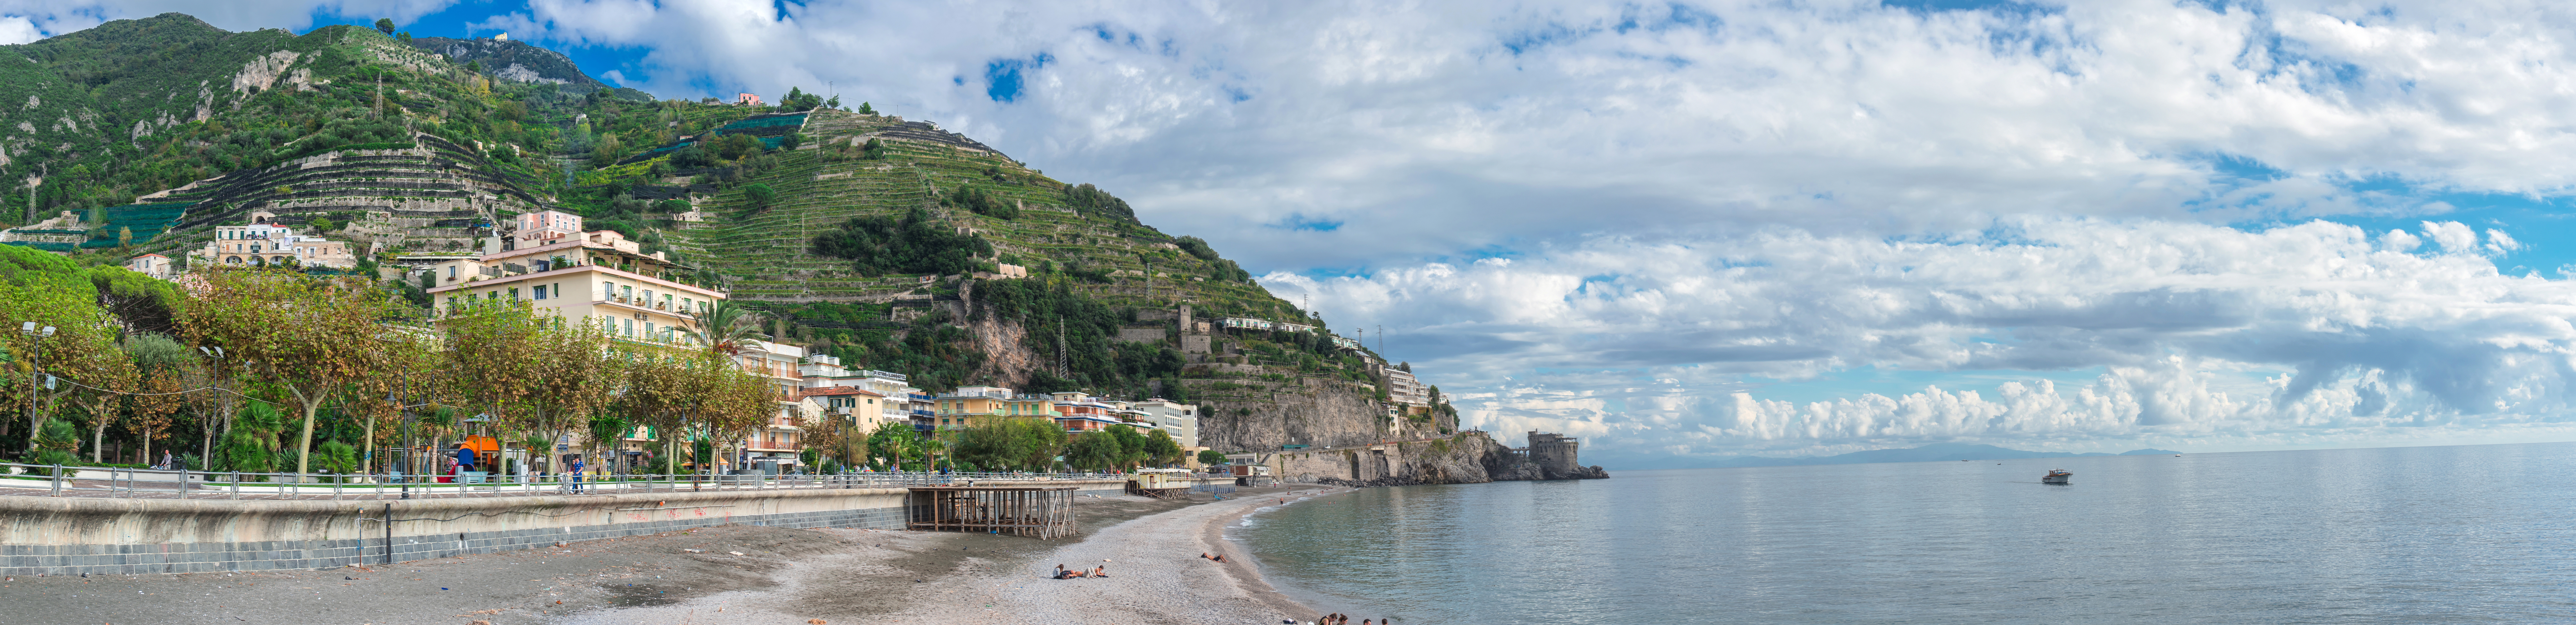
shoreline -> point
(1245, 569)
(753, 574)
(1155, 575)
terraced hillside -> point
(769, 253)
(164, 127)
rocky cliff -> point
(1464, 458)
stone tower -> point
(1553, 454)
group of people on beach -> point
(1063, 573)
(1338, 618)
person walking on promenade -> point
(576, 475)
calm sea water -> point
(2402, 535)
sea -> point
(2466, 534)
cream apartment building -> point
(595, 275)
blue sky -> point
(1690, 230)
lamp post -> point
(35, 378)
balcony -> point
(924, 413)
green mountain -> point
(888, 242)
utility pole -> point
(1060, 369)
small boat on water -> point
(2055, 476)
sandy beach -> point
(742, 574)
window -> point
(451, 272)
(514, 293)
(538, 292)
(628, 326)
(627, 291)
(648, 328)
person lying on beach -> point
(1204, 556)
(1060, 573)
(1100, 571)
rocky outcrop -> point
(1465, 458)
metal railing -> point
(117, 482)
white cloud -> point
(2293, 335)
(17, 29)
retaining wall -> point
(68, 535)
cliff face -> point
(1302, 411)
(1464, 458)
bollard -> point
(57, 481)
(236, 484)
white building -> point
(1181, 420)
(154, 265)
(1402, 388)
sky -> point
(1687, 231)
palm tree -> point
(725, 327)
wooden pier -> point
(1045, 513)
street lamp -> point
(215, 354)
(35, 378)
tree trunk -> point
(98, 439)
(304, 443)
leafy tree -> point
(736, 146)
(725, 328)
(1196, 247)
(874, 150)
(791, 140)
(138, 302)
(1094, 451)
(759, 195)
(879, 244)
(981, 202)
(1160, 449)
(577, 371)
(1018, 443)
(894, 446)
(1211, 457)
(385, 25)
(313, 339)
(864, 109)
(339, 458)
(607, 151)
(160, 363)
(55, 443)
(82, 350)
(251, 445)
(798, 100)
(691, 156)
(1090, 200)
(834, 103)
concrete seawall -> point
(69, 535)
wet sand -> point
(787, 576)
